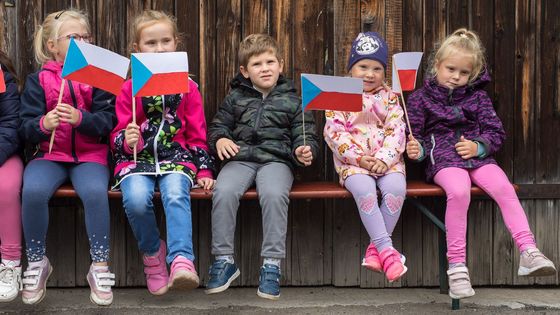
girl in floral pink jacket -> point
(367, 151)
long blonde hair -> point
(466, 41)
(149, 18)
(49, 31)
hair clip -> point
(59, 14)
(463, 35)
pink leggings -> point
(457, 183)
(10, 208)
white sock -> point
(272, 261)
(11, 263)
(98, 268)
(453, 265)
(227, 258)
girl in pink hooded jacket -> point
(367, 151)
(80, 121)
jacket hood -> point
(283, 85)
(442, 93)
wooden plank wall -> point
(326, 241)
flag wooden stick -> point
(59, 100)
(134, 122)
(402, 98)
(303, 124)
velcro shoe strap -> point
(105, 282)
(155, 270)
(33, 272)
(106, 275)
(271, 276)
(30, 281)
(458, 273)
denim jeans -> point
(138, 192)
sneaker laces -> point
(7, 274)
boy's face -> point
(263, 70)
(371, 72)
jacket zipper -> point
(432, 150)
(158, 170)
(75, 103)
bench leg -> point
(442, 249)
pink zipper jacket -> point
(81, 142)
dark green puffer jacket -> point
(267, 130)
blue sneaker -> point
(221, 275)
(269, 282)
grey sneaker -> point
(35, 281)
(533, 263)
(10, 282)
(459, 283)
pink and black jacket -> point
(173, 135)
(82, 142)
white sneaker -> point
(10, 282)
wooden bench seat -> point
(305, 190)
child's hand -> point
(132, 134)
(373, 165)
(205, 183)
(304, 155)
(67, 113)
(466, 148)
(52, 120)
(226, 148)
(413, 148)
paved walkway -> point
(306, 300)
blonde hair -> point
(256, 44)
(149, 18)
(465, 41)
(49, 31)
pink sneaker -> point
(392, 264)
(100, 281)
(183, 274)
(371, 259)
(35, 281)
(155, 269)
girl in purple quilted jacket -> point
(455, 128)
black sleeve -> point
(33, 107)
(9, 119)
(101, 119)
(222, 125)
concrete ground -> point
(306, 300)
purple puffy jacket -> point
(440, 116)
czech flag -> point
(160, 73)
(405, 69)
(2, 82)
(95, 66)
(331, 93)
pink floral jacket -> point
(378, 131)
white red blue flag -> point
(159, 73)
(327, 92)
(95, 66)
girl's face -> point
(455, 70)
(72, 28)
(372, 73)
(156, 38)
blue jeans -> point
(138, 191)
(41, 178)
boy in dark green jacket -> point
(258, 131)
